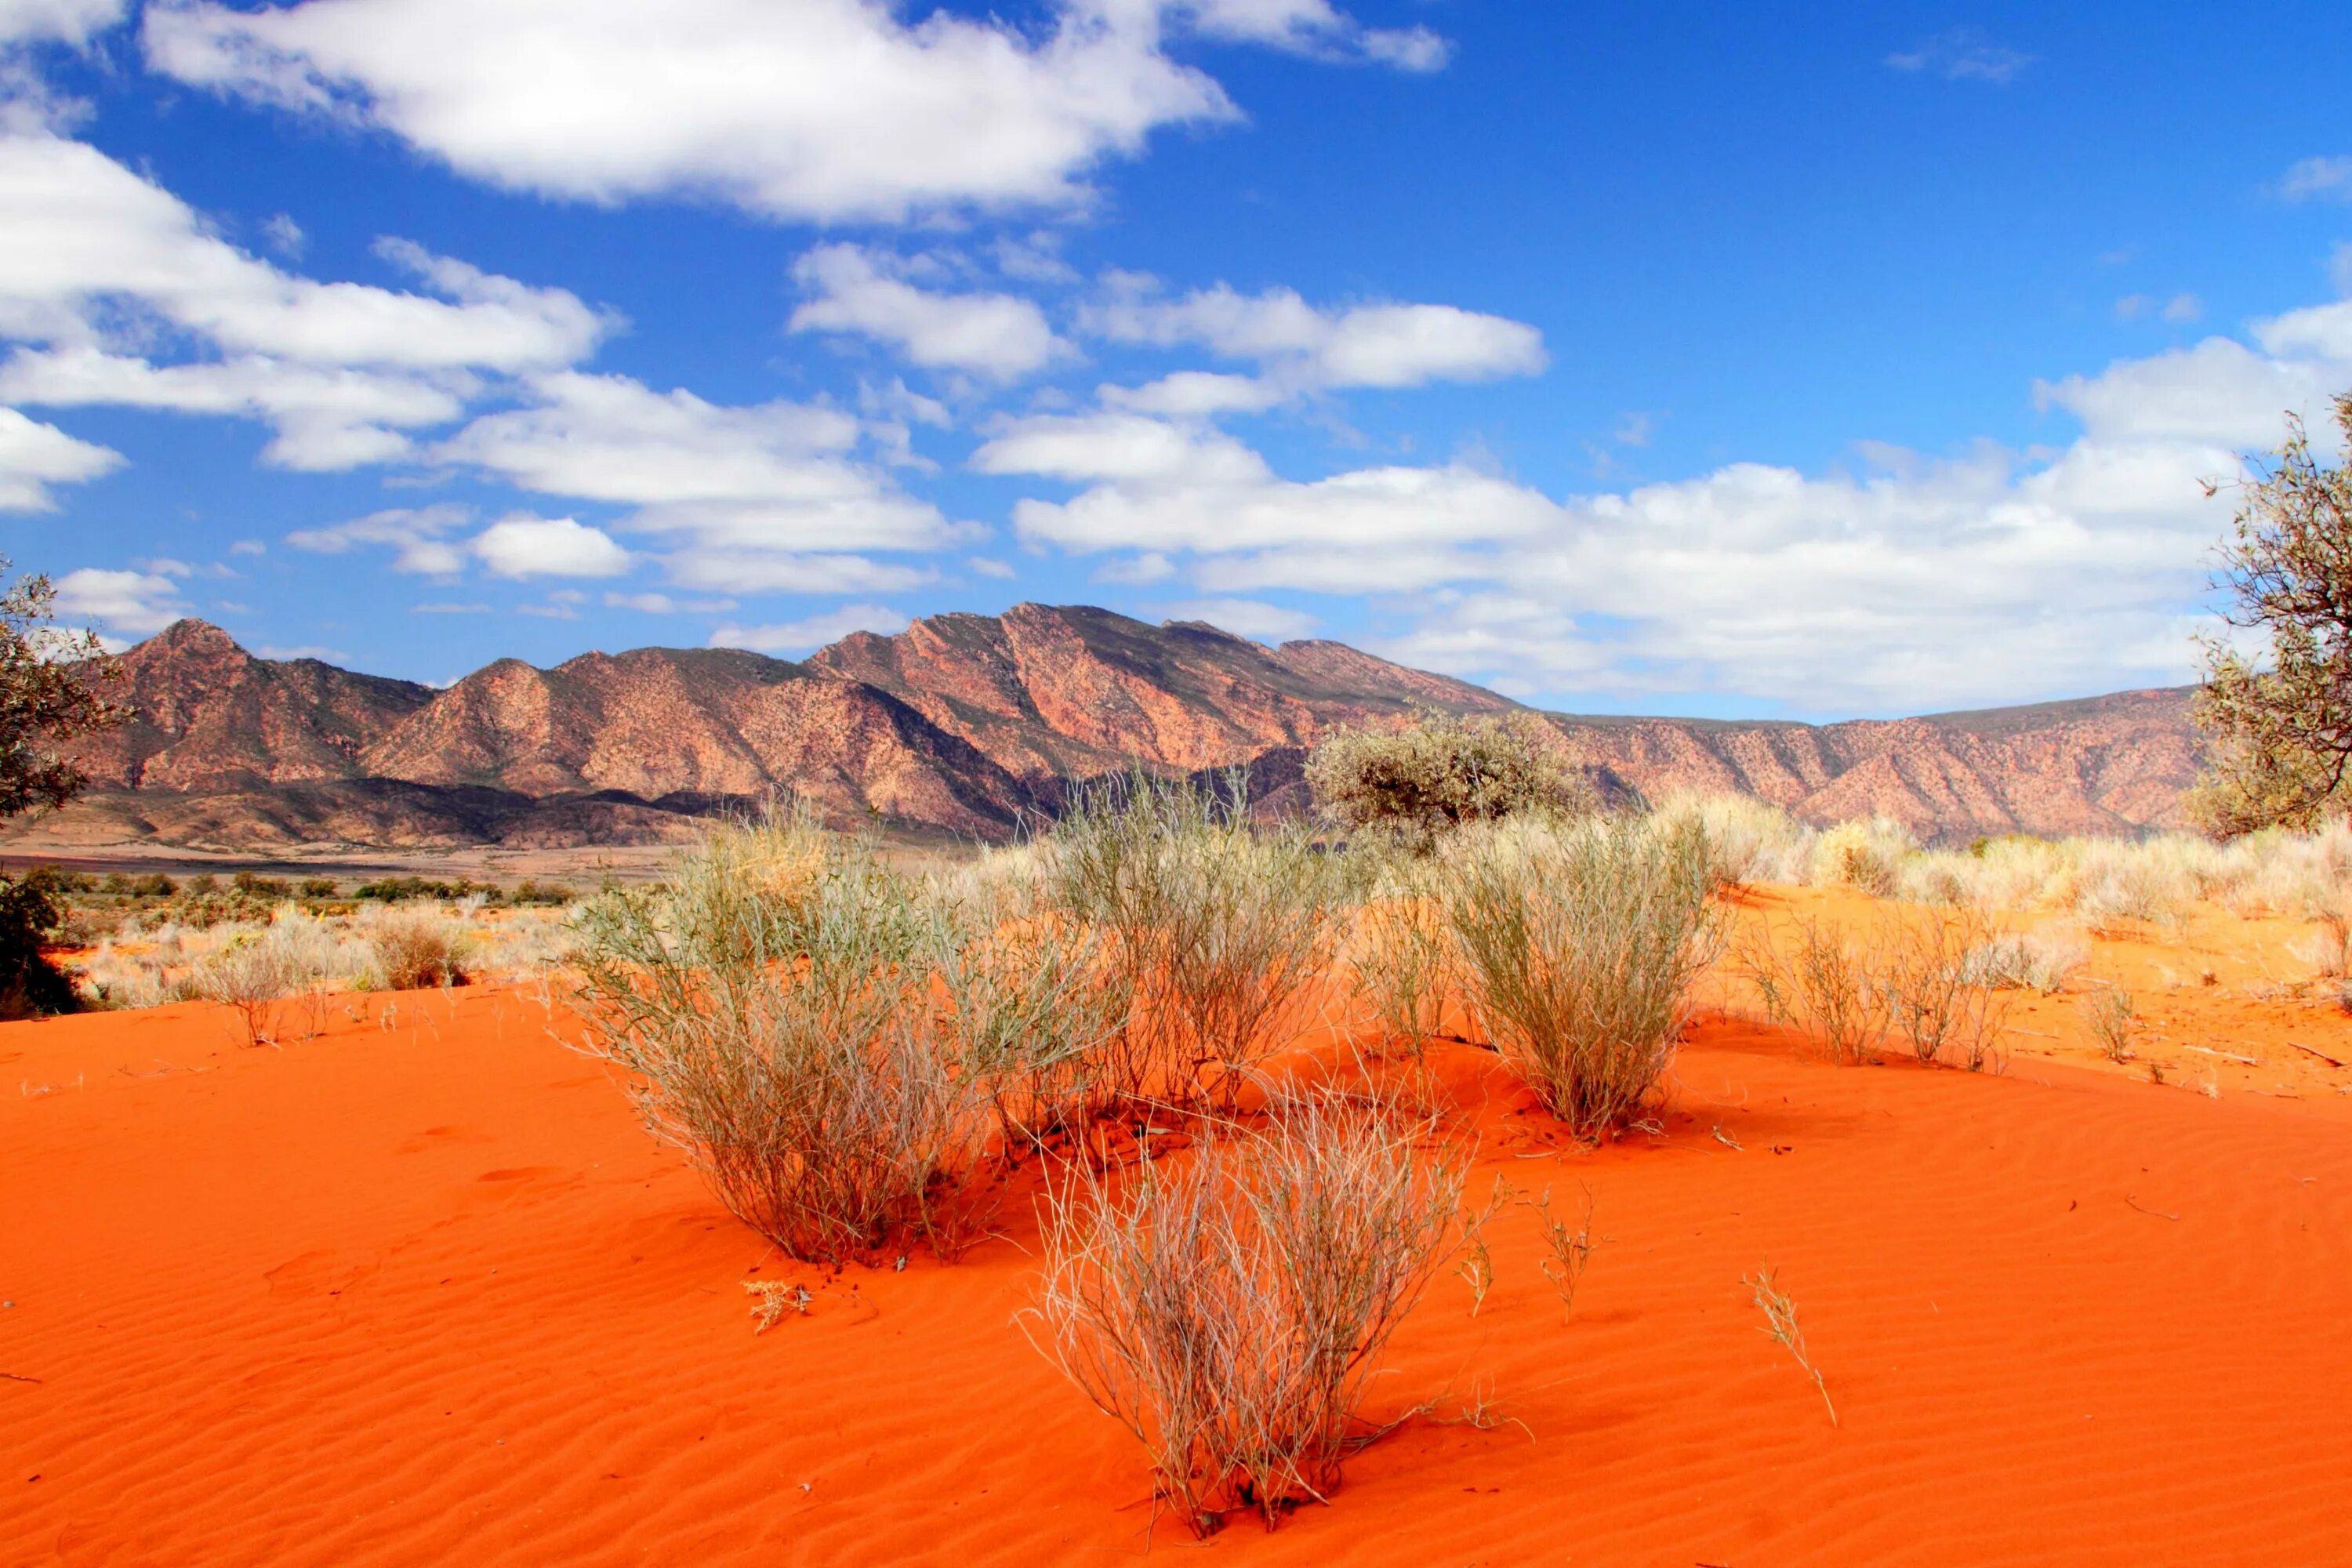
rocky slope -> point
(963, 725)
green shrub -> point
(1444, 772)
(30, 912)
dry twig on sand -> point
(1780, 1325)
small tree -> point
(1443, 772)
(2282, 730)
(50, 693)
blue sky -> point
(1794, 361)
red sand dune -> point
(421, 1290)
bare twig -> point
(1780, 1326)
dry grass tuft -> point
(1219, 930)
(769, 1003)
(2114, 1024)
(1579, 950)
(1830, 986)
(1229, 1305)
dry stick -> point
(2227, 1055)
(2145, 1209)
(18, 1377)
(2316, 1051)
(1781, 1320)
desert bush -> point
(1031, 1001)
(1943, 1004)
(2039, 961)
(1831, 984)
(273, 977)
(767, 1001)
(1579, 950)
(1219, 931)
(1441, 771)
(1865, 855)
(1229, 1305)
(416, 949)
(1747, 840)
(2113, 1022)
(2114, 883)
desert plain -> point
(420, 1289)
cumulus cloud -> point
(824, 109)
(736, 499)
(814, 632)
(1125, 447)
(523, 546)
(1381, 345)
(864, 292)
(126, 297)
(86, 233)
(1197, 393)
(119, 600)
(33, 455)
(1910, 582)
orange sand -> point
(426, 1293)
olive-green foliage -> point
(772, 1000)
(2281, 723)
(1218, 927)
(30, 984)
(1443, 772)
(1579, 948)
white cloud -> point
(1245, 617)
(1315, 29)
(814, 632)
(59, 21)
(735, 495)
(825, 110)
(985, 566)
(1194, 394)
(304, 650)
(86, 233)
(327, 418)
(1364, 345)
(863, 291)
(418, 536)
(1119, 447)
(1914, 583)
(33, 455)
(2318, 179)
(2218, 391)
(523, 546)
(123, 600)
(1962, 54)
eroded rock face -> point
(963, 723)
(2103, 765)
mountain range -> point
(962, 726)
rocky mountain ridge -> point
(962, 725)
